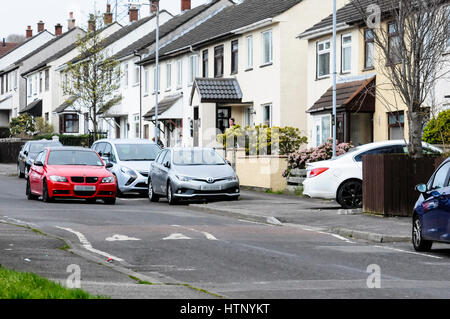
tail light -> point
(317, 171)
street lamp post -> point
(156, 4)
(334, 77)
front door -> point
(223, 116)
(340, 128)
(195, 128)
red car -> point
(70, 172)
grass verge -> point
(18, 285)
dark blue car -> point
(431, 218)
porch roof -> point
(34, 108)
(217, 90)
(355, 96)
(66, 106)
(165, 105)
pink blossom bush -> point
(299, 159)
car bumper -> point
(319, 187)
(194, 190)
(130, 184)
(67, 190)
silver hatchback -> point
(130, 161)
(191, 173)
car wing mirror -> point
(38, 163)
(25, 153)
(109, 165)
(421, 188)
(167, 164)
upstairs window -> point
(234, 57)
(267, 47)
(346, 53)
(218, 61)
(193, 67)
(394, 44)
(168, 76)
(205, 60)
(249, 41)
(369, 49)
(179, 74)
(323, 58)
(47, 80)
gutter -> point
(322, 31)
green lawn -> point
(17, 285)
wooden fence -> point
(389, 182)
(9, 150)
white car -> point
(341, 178)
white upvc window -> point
(168, 76)
(137, 74)
(346, 53)
(323, 58)
(35, 85)
(322, 129)
(267, 114)
(193, 68)
(125, 74)
(30, 86)
(179, 73)
(146, 82)
(267, 47)
(249, 42)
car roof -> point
(389, 143)
(127, 141)
(69, 148)
(44, 141)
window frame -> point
(64, 120)
(263, 53)
(397, 121)
(323, 52)
(179, 74)
(249, 43)
(367, 41)
(218, 56)
(205, 61)
(391, 37)
(168, 76)
(346, 46)
(234, 57)
(263, 106)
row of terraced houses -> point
(257, 61)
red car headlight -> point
(109, 179)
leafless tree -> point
(15, 38)
(412, 52)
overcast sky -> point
(17, 15)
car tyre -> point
(350, 194)
(19, 172)
(172, 200)
(28, 192)
(45, 195)
(419, 243)
(151, 193)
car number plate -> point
(211, 188)
(85, 188)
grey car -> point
(28, 153)
(130, 159)
(191, 173)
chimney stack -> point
(40, 26)
(108, 16)
(154, 5)
(58, 29)
(185, 5)
(29, 32)
(91, 24)
(71, 22)
(134, 14)
(4, 42)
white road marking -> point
(120, 238)
(87, 245)
(207, 235)
(176, 237)
(409, 252)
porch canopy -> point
(169, 108)
(220, 90)
(353, 97)
(34, 108)
(67, 107)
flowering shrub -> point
(299, 159)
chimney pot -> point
(40, 26)
(71, 22)
(91, 24)
(185, 5)
(58, 29)
(134, 14)
(29, 32)
(108, 16)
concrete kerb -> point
(355, 234)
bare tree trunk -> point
(415, 121)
